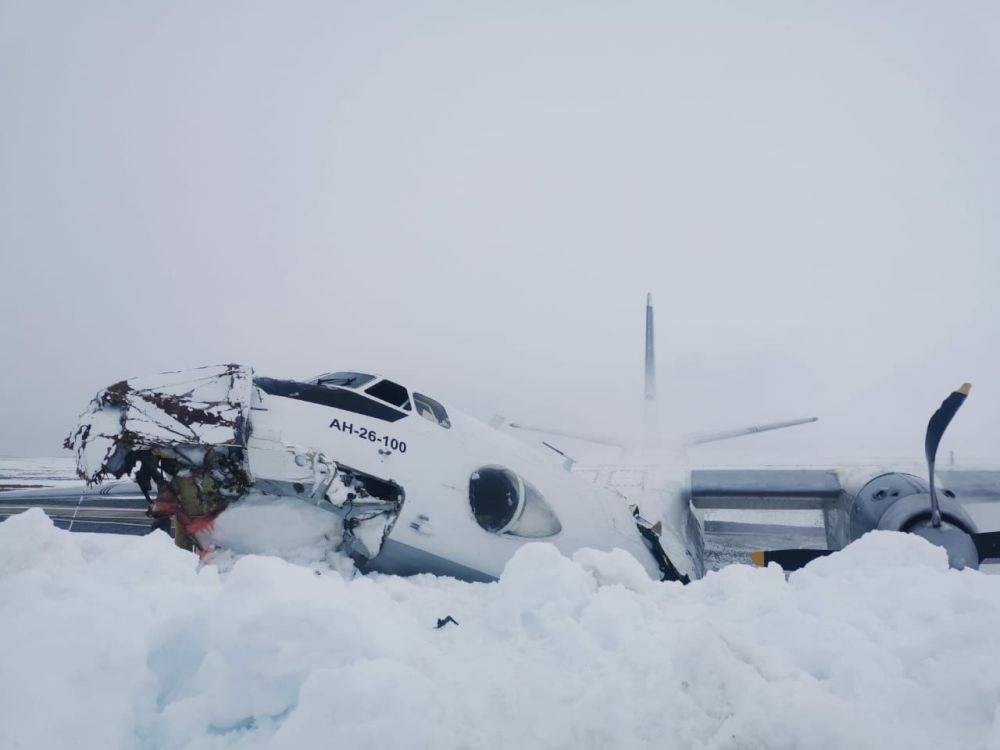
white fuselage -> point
(436, 530)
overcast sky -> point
(478, 197)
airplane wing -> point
(713, 437)
(764, 489)
(892, 500)
(825, 491)
(586, 437)
(699, 438)
(814, 489)
(773, 489)
(113, 507)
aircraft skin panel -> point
(589, 516)
(769, 482)
(397, 558)
(774, 489)
(815, 488)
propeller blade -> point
(789, 559)
(987, 545)
(938, 423)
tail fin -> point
(649, 393)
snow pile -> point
(125, 642)
(283, 526)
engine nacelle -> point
(902, 502)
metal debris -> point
(190, 434)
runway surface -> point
(113, 508)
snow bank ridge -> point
(127, 642)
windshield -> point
(390, 392)
(344, 379)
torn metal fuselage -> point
(190, 434)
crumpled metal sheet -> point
(190, 433)
(207, 406)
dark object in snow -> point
(444, 621)
(651, 535)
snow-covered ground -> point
(128, 642)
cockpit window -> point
(503, 503)
(344, 379)
(430, 409)
(392, 393)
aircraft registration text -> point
(372, 436)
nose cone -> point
(961, 549)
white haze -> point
(479, 196)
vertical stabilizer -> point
(649, 396)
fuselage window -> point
(344, 379)
(392, 393)
(430, 409)
(503, 503)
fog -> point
(476, 198)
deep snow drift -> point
(126, 642)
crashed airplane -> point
(410, 485)
(404, 483)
